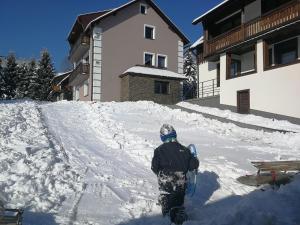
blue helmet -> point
(167, 132)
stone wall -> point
(139, 87)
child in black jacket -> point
(170, 163)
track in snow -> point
(114, 182)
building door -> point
(243, 101)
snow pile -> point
(248, 119)
(276, 207)
(34, 172)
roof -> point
(197, 43)
(153, 72)
(82, 21)
(198, 19)
(89, 19)
(59, 77)
(85, 19)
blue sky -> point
(29, 26)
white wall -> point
(207, 71)
(273, 91)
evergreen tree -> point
(45, 74)
(22, 81)
(32, 81)
(190, 71)
(10, 77)
(1, 81)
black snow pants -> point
(172, 191)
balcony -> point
(81, 46)
(279, 17)
(80, 74)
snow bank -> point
(34, 172)
(276, 207)
(248, 119)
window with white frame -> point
(162, 61)
(149, 59)
(149, 32)
(86, 88)
(143, 9)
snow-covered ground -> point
(89, 163)
(248, 119)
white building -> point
(249, 55)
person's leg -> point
(176, 205)
(164, 201)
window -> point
(161, 87)
(143, 9)
(161, 61)
(149, 32)
(86, 88)
(149, 59)
(235, 69)
(286, 52)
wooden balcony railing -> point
(80, 72)
(279, 17)
(82, 42)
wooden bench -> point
(277, 166)
(273, 173)
(11, 216)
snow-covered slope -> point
(100, 156)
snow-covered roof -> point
(197, 20)
(198, 42)
(154, 72)
(62, 73)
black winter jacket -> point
(173, 157)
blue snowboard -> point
(192, 175)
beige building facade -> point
(110, 42)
